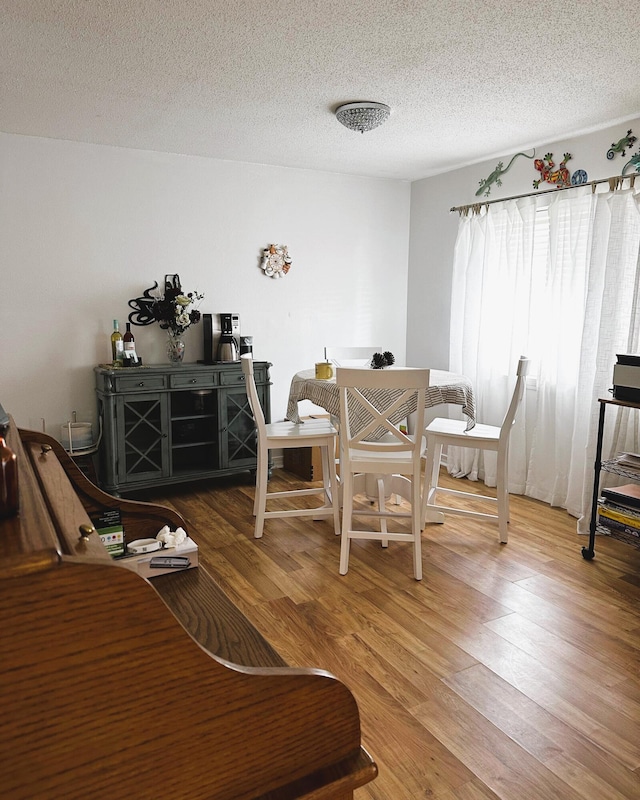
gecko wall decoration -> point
(496, 175)
(634, 162)
(622, 145)
(557, 177)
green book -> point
(108, 525)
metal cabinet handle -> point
(45, 448)
(193, 380)
(141, 383)
(86, 531)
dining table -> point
(444, 387)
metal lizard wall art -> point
(634, 162)
(496, 175)
(621, 145)
(557, 177)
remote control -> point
(174, 562)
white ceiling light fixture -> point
(362, 116)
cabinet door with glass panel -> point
(237, 427)
(142, 444)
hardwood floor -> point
(510, 671)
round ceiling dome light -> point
(362, 116)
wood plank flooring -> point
(510, 671)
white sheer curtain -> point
(553, 277)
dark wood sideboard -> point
(173, 423)
(115, 687)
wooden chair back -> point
(252, 394)
(516, 398)
(372, 404)
(350, 356)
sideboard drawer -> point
(137, 383)
(237, 378)
(193, 380)
(232, 378)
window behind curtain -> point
(551, 277)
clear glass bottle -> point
(117, 345)
(8, 480)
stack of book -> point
(619, 510)
(629, 461)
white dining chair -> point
(451, 432)
(371, 443)
(282, 435)
(350, 356)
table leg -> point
(402, 486)
(589, 552)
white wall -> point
(85, 228)
(434, 228)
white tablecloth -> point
(444, 387)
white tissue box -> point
(141, 563)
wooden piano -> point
(118, 688)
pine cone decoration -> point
(378, 361)
(389, 358)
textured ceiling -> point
(259, 80)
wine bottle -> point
(129, 346)
(8, 480)
(116, 345)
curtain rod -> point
(614, 183)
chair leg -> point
(260, 502)
(256, 494)
(416, 515)
(331, 483)
(502, 495)
(326, 478)
(381, 508)
(435, 474)
(259, 481)
(431, 476)
(347, 515)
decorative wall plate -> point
(276, 261)
(579, 177)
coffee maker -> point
(228, 344)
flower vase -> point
(175, 348)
